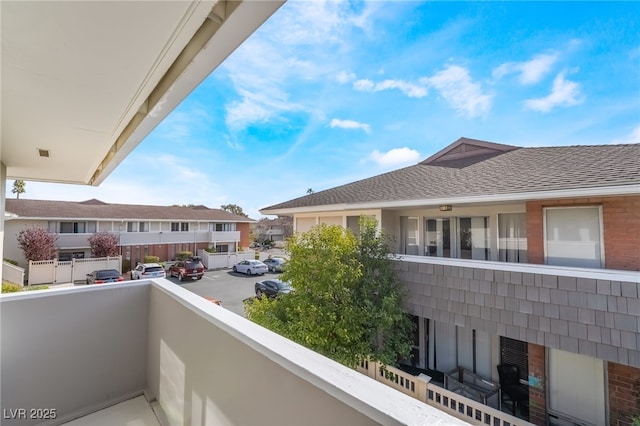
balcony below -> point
(70, 241)
(82, 350)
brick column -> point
(624, 393)
(537, 395)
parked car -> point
(183, 269)
(251, 267)
(272, 288)
(102, 276)
(275, 264)
(148, 270)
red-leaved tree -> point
(103, 244)
(37, 243)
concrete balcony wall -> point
(594, 312)
(74, 350)
(82, 349)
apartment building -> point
(515, 255)
(142, 230)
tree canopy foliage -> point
(37, 243)
(233, 208)
(103, 244)
(346, 302)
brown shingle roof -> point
(96, 209)
(519, 170)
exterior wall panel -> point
(596, 317)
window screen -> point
(515, 352)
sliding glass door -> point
(462, 237)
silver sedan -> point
(251, 267)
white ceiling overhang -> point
(86, 81)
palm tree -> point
(18, 188)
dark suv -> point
(192, 268)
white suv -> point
(148, 270)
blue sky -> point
(329, 92)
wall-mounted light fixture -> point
(446, 208)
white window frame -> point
(600, 225)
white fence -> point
(57, 272)
(12, 273)
(224, 260)
(457, 405)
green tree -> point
(18, 188)
(347, 304)
(233, 208)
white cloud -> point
(395, 157)
(349, 124)
(409, 89)
(458, 89)
(530, 71)
(633, 137)
(344, 77)
(563, 93)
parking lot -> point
(229, 287)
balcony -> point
(70, 241)
(82, 350)
(593, 312)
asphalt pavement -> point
(230, 287)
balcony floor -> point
(133, 412)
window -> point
(515, 352)
(143, 227)
(184, 226)
(512, 237)
(474, 238)
(573, 237)
(175, 227)
(72, 227)
(409, 235)
(222, 248)
(132, 226)
(464, 237)
(222, 227)
(438, 237)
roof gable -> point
(465, 152)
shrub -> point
(103, 244)
(184, 255)
(126, 266)
(37, 243)
(10, 288)
(151, 259)
(11, 261)
(36, 287)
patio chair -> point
(513, 389)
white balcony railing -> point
(81, 349)
(71, 241)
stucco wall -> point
(12, 227)
(181, 366)
(72, 349)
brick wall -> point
(537, 395)
(244, 234)
(621, 220)
(624, 397)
